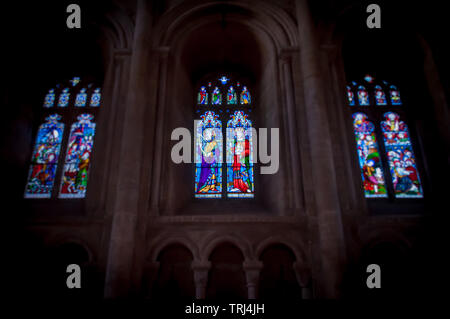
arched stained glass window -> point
(81, 98)
(49, 100)
(392, 172)
(95, 98)
(216, 96)
(363, 96)
(350, 96)
(395, 95)
(212, 178)
(202, 96)
(208, 157)
(245, 96)
(402, 162)
(380, 96)
(369, 157)
(239, 156)
(45, 158)
(45, 168)
(231, 96)
(63, 100)
(76, 167)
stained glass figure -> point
(45, 158)
(402, 163)
(231, 96)
(363, 96)
(245, 96)
(369, 157)
(216, 96)
(240, 177)
(95, 98)
(81, 98)
(208, 157)
(202, 96)
(64, 98)
(49, 99)
(395, 95)
(380, 96)
(76, 167)
(350, 96)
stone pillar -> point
(125, 209)
(327, 207)
(201, 271)
(252, 270)
(286, 70)
(303, 278)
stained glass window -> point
(76, 167)
(202, 96)
(81, 98)
(240, 181)
(350, 96)
(49, 100)
(380, 96)
(245, 96)
(45, 170)
(369, 157)
(44, 161)
(395, 95)
(95, 98)
(363, 96)
(231, 96)
(402, 163)
(208, 157)
(64, 98)
(216, 96)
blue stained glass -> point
(231, 96)
(96, 97)
(395, 96)
(240, 179)
(208, 157)
(216, 96)
(369, 157)
(44, 161)
(64, 98)
(49, 100)
(75, 81)
(224, 80)
(81, 98)
(369, 78)
(350, 96)
(363, 96)
(402, 163)
(78, 157)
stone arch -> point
(164, 242)
(64, 239)
(216, 240)
(275, 240)
(274, 17)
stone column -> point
(252, 270)
(327, 208)
(150, 273)
(125, 209)
(303, 278)
(286, 70)
(201, 271)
